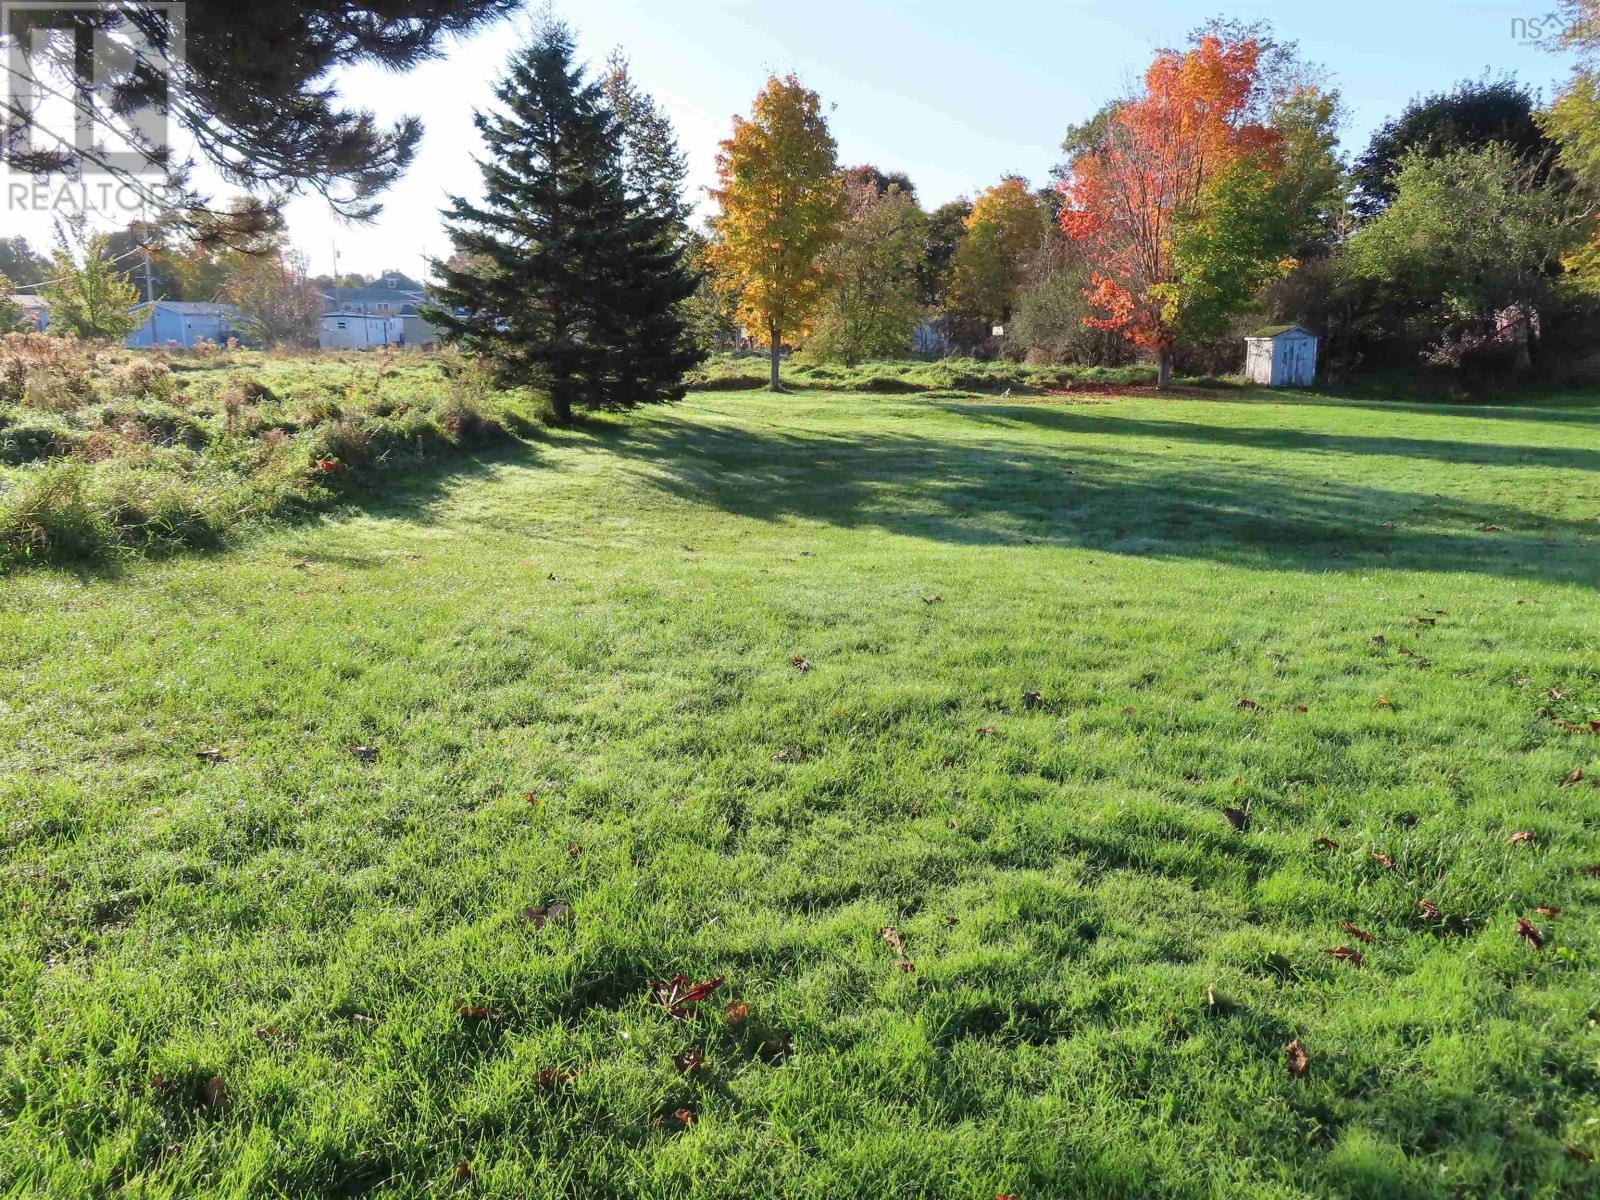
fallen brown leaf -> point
(1296, 1058)
(1385, 702)
(1547, 910)
(691, 1061)
(367, 754)
(1355, 931)
(1578, 1154)
(1528, 932)
(776, 1050)
(800, 664)
(1594, 870)
(1326, 843)
(684, 1116)
(1383, 860)
(474, 1013)
(1031, 700)
(1575, 777)
(891, 938)
(214, 1095)
(1345, 954)
(987, 731)
(1557, 694)
(551, 1076)
(1378, 639)
(735, 1012)
(463, 1172)
(538, 917)
(1521, 838)
(934, 599)
(212, 756)
(1430, 910)
(1247, 703)
(1301, 708)
(1237, 817)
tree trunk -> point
(1164, 368)
(560, 406)
(777, 354)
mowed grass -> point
(1028, 630)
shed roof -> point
(1272, 331)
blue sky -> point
(954, 93)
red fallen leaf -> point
(367, 754)
(1248, 703)
(212, 756)
(1547, 910)
(987, 731)
(684, 1116)
(1345, 954)
(463, 1172)
(690, 1061)
(327, 465)
(1527, 931)
(1520, 838)
(1594, 726)
(214, 1094)
(1237, 817)
(1361, 935)
(736, 1012)
(1301, 708)
(553, 1076)
(1383, 860)
(473, 1013)
(1556, 693)
(1326, 843)
(1296, 1058)
(934, 599)
(800, 664)
(677, 994)
(1575, 777)
(531, 798)
(1430, 910)
(1594, 870)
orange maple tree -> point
(1146, 169)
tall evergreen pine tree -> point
(564, 278)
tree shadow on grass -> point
(1113, 498)
(1086, 421)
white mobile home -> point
(357, 331)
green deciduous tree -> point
(871, 305)
(1468, 235)
(780, 197)
(90, 296)
(564, 277)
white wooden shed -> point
(1281, 356)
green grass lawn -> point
(1047, 647)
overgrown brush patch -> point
(906, 376)
(105, 451)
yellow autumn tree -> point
(1005, 227)
(781, 205)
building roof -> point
(195, 307)
(360, 316)
(1272, 331)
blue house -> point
(185, 323)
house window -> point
(341, 324)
